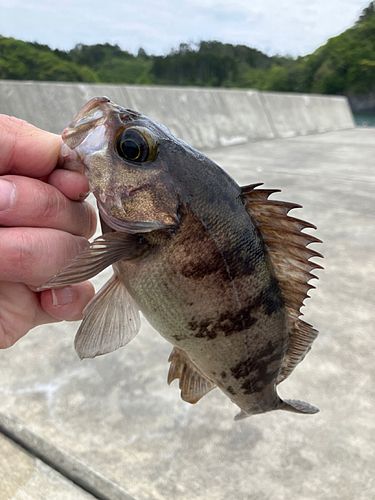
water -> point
(362, 120)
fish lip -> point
(93, 114)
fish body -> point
(218, 270)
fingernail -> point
(83, 196)
(62, 296)
(7, 194)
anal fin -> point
(193, 384)
(110, 320)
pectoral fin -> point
(193, 384)
(102, 252)
(110, 320)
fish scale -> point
(218, 270)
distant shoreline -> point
(364, 120)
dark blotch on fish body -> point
(258, 372)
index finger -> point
(25, 149)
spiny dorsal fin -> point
(193, 384)
(286, 246)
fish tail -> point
(292, 405)
(296, 406)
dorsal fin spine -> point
(280, 244)
(291, 232)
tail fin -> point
(293, 405)
(296, 406)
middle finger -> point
(38, 204)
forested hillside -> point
(344, 65)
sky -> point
(284, 27)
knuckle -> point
(19, 255)
(50, 202)
(85, 220)
(10, 130)
(59, 212)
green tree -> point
(30, 61)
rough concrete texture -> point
(114, 421)
(24, 477)
(302, 114)
(205, 118)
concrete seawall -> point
(205, 118)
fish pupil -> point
(130, 149)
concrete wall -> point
(205, 118)
(302, 114)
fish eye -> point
(135, 144)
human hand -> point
(43, 224)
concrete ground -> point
(111, 428)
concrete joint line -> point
(79, 474)
(268, 115)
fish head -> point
(118, 150)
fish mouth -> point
(91, 116)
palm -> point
(20, 312)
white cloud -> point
(274, 26)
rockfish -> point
(219, 270)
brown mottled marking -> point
(268, 355)
(260, 380)
(228, 323)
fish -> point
(219, 270)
